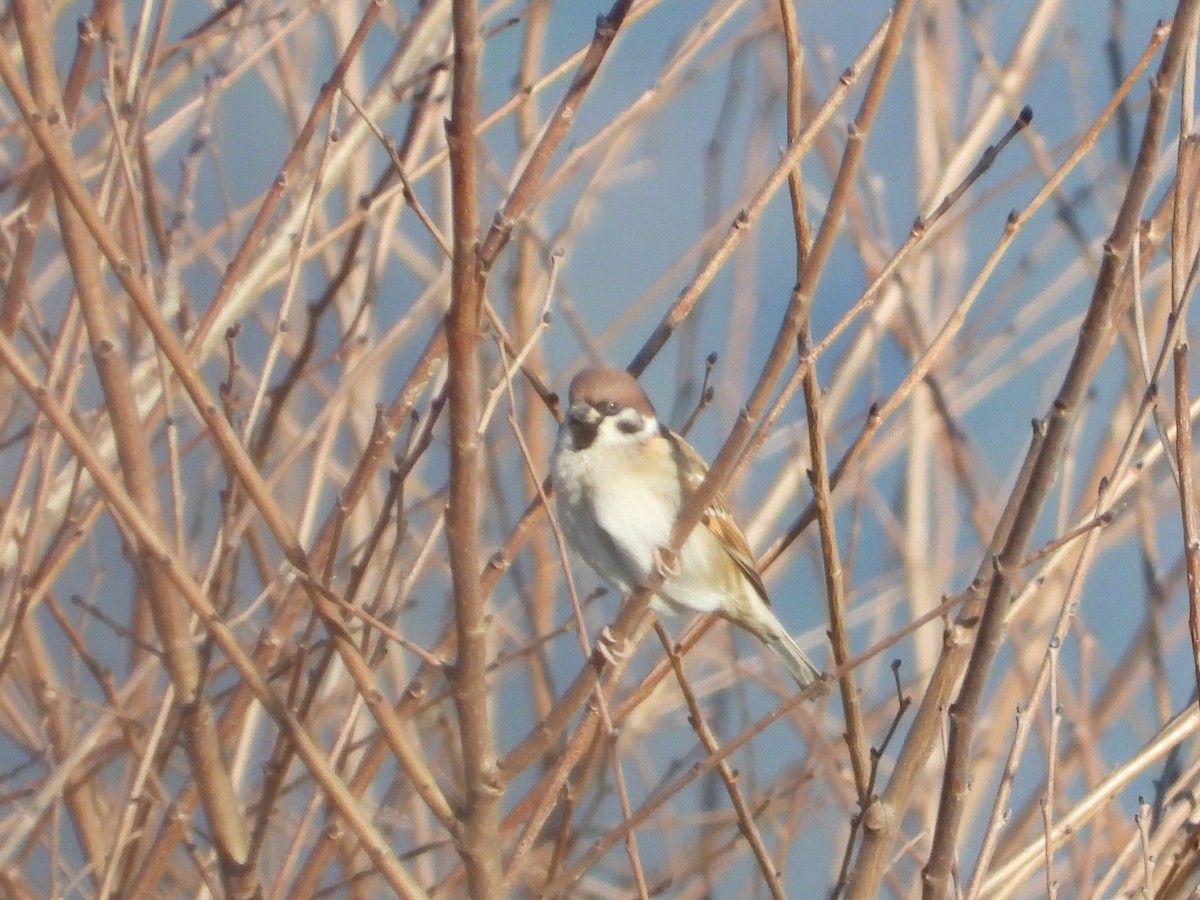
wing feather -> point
(717, 517)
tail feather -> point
(789, 652)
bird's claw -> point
(614, 651)
(666, 563)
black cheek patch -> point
(629, 427)
(582, 433)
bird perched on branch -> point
(621, 479)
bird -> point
(621, 478)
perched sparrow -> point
(621, 479)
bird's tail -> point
(789, 652)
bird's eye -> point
(608, 408)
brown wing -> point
(717, 517)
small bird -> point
(621, 478)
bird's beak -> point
(583, 421)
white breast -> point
(616, 505)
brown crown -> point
(603, 384)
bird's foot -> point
(666, 563)
(614, 651)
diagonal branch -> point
(1096, 336)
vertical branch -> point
(1182, 257)
(523, 286)
(1187, 499)
(835, 588)
(480, 839)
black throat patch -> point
(582, 433)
